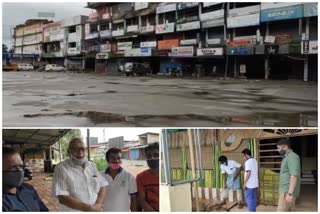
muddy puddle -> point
(308, 119)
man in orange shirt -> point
(148, 180)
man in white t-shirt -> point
(250, 180)
(122, 188)
(230, 170)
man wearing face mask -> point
(122, 186)
(77, 183)
(148, 180)
(289, 184)
(16, 195)
(230, 171)
(250, 180)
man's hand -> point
(97, 208)
(288, 198)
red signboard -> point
(239, 42)
(168, 44)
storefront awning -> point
(33, 137)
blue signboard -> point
(282, 13)
(240, 50)
(144, 50)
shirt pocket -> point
(95, 184)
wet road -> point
(33, 99)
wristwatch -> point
(289, 193)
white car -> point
(54, 67)
(25, 67)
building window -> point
(213, 8)
(148, 19)
(240, 4)
(188, 14)
(133, 21)
(104, 26)
(72, 29)
(72, 44)
(167, 17)
(93, 28)
(118, 26)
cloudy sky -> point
(18, 12)
(127, 133)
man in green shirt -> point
(289, 184)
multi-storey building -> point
(28, 41)
(74, 42)
(53, 46)
(258, 40)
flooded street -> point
(57, 99)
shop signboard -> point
(214, 41)
(245, 50)
(209, 51)
(245, 16)
(168, 44)
(182, 51)
(280, 11)
(137, 52)
(165, 28)
(124, 46)
(72, 50)
(188, 26)
(105, 48)
(102, 56)
(151, 44)
(188, 42)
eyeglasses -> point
(15, 168)
(154, 155)
(78, 149)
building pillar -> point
(306, 68)
(235, 67)
(266, 67)
(139, 20)
(157, 19)
(207, 37)
(300, 27)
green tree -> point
(4, 48)
(100, 163)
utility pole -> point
(88, 143)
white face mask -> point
(77, 161)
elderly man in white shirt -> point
(77, 183)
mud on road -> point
(34, 99)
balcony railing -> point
(118, 32)
(165, 28)
(147, 29)
(132, 28)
